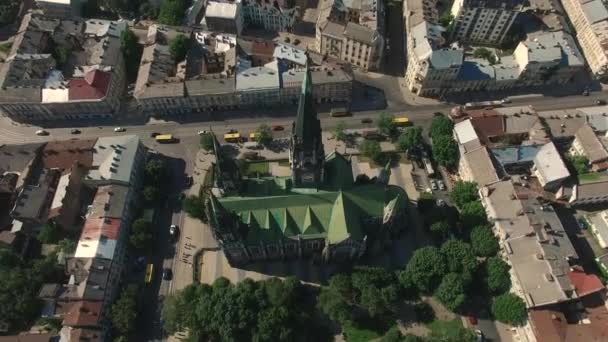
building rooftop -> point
(597, 117)
(290, 53)
(549, 163)
(88, 278)
(563, 123)
(482, 167)
(63, 154)
(83, 313)
(34, 200)
(360, 33)
(114, 158)
(446, 58)
(595, 11)
(223, 10)
(476, 69)
(109, 202)
(99, 238)
(257, 78)
(592, 147)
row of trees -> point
(445, 149)
(131, 51)
(124, 313)
(269, 310)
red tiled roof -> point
(89, 335)
(93, 86)
(549, 324)
(262, 48)
(488, 126)
(94, 227)
(584, 283)
(83, 313)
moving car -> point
(202, 132)
(154, 134)
(173, 230)
(366, 121)
(277, 128)
(167, 274)
(41, 132)
(75, 131)
(119, 129)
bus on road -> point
(401, 121)
(338, 112)
(149, 273)
(232, 137)
(164, 138)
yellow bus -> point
(232, 137)
(401, 121)
(252, 136)
(149, 273)
(164, 138)
(338, 112)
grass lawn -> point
(284, 163)
(360, 334)
(590, 177)
(6, 47)
(445, 327)
(257, 168)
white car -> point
(119, 129)
(173, 230)
(202, 132)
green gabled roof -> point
(311, 224)
(338, 171)
(289, 226)
(345, 221)
(307, 126)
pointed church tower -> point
(306, 150)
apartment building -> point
(86, 83)
(586, 143)
(484, 21)
(352, 31)
(222, 73)
(271, 16)
(60, 8)
(590, 21)
(225, 17)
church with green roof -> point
(318, 212)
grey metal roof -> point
(334, 29)
(257, 78)
(476, 69)
(446, 58)
(595, 11)
(507, 69)
(360, 33)
(211, 84)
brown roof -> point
(83, 313)
(63, 154)
(88, 335)
(488, 126)
(27, 337)
(592, 146)
(94, 227)
(584, 283)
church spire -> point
(307, 125)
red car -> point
(277, 128)
(472, 320)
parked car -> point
(167, 274)
(42, 132)
(174, 230)
(201, 132)
(441, 185)
(472, 320)
(75, 131)
(586, 92)
(479, 336)
(154, 134)
(188, 181)
(231, 131)
(119, 129)
(600, 102)
(367, 121)
(277, 128)
(433, 184)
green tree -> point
(171, 12)
(412, 338)
(486, 54)
(440, 126)
(385, 124)
(8, 11)
(141, 233)
(151, 194)
(497, 271)
(459, 258)
(445, 150)
(66, 246)
(484, 242)
(155, 171)
(410, 138)
(148, 11)
(206, 141)
(392, 335)
(131, 51)
(61, 55)
(464, 192)
(50, 233)
(578, 164)
(446, 19)
(124, 311)
(339, 131)
(509, 308)
(425, 269)
(372, 150)
(451, 291)
(440, 229)
(263, 135)
(178, 47)
(473, 214)
(195, 207)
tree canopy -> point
(440, 126)
(179, 46)
(451, 291)
(445, 150)
(483, 241)
(141, 233)
(206, 141)
(195, 207)
(50, 233)
(66, 246)
(459, 258)
(509, 308)
(131, 51)
(440, 229)
(385, 124)
(372, 150)
(464, 192)
(61, 55)
(8, 11)
(269, 310)
(339, 131)
(473, 214)
(488, 55)
(578, 164)
(155, 171)
(124, 311)
(498, 278)
(410, 138)
(425, 269)
(171, 12)
(263, 135)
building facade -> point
(317, 212)
(482, 21)
(269, 16)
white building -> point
(549, 167)
(266, 15)
(224, 17)
(484, 21)
(599, 227)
